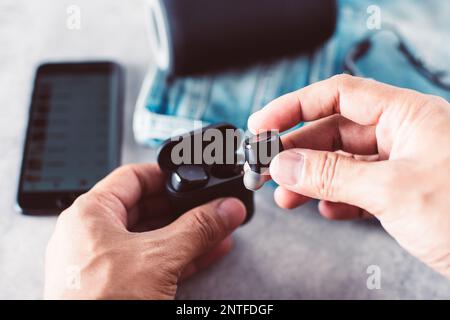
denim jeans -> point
(167, 105)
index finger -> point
(358, 99)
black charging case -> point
(224, 180)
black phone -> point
(73, 136)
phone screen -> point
(73, 135)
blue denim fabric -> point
(168, 105)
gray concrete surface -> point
(295, 255)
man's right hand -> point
(372, 149)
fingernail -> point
(232, 212)
(251, 122)
(286, 169)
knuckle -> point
(344, 84)
(343, 80)
(436, 100)
(326, 172)
(95, 201)
(126, 169)
(341, 77)
(89, 206)
(436, 106)
(79, 207)
(82, 201)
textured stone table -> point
(297, 255)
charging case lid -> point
(165, 159)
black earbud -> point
(189, 177)
(259, 151)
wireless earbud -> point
(259, 151)
(189, 177)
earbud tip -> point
(253, 181)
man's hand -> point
(372, 149)
(94, 255)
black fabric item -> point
(209, 35)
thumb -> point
(328, 176)
(200, 229)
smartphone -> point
(73, 136)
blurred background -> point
(297, 255)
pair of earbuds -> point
(259, 150)
(188, 177)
